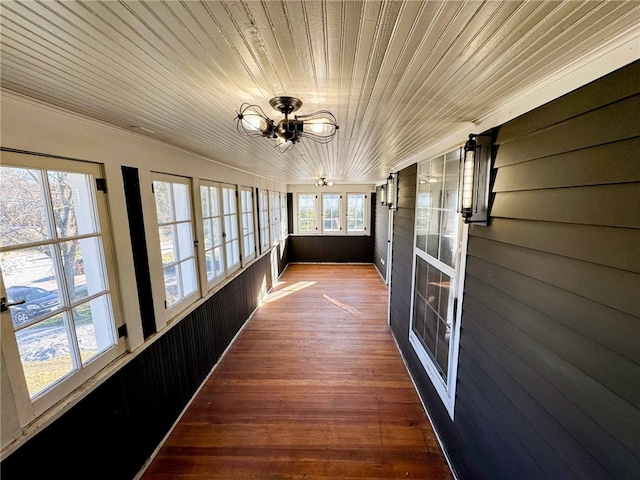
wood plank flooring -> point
(313, 388)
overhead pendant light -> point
(320, 126)
(323, 182)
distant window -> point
(276, 234)
(212, 231)
(175, 228)
(356, 212)
(307, 213)
(230, 234)
(248, 224)
(284, 218)
(54, 260)
(263, 206)
(331, 212)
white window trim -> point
(284, 216)
(447, 392)
(343, 191)
(341, 214)
(236, 266)
(26, 408)
(205, 284)
(247, 257)
(318, 212)
(174, 310)
(366, 222)
(265, 227)
(274, 217)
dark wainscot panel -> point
(331, 248)
(113, 431)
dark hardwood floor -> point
(313, 388)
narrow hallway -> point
(314, 387)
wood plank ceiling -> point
(398, 75)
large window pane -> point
(22, 216)
(46, 353)
(248, 227)
(84, 269)
(331, 213)
(185, 241)
(164, 201)
(263, 206)
(307, 213)
(230, 235)
(93, 331)
(274, 202)
(30, 274)
(356, 212)
(175, 229)
(212, 227)
(182, 204)
(52, 260)
(72, 202)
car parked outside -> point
(37, 302)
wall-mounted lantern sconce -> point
(475, 167)
(383, 194)
(392, 191)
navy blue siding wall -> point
(549, 367)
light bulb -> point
(467, 179)
(319, 126)
(253, 122)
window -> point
(263, 206)
(284, 218)
(331, 221)
(438, 273)
(275, 217)
(230, 235)
(175, 229)
(54, 259)
(307, 213)
(356, 212)
(212, 232)
(248, 224)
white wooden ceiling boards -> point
(400, 76)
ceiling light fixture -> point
(319, 126)
(322, 182)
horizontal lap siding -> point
(551, 307)
(549, 365)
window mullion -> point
(72, 338)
